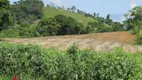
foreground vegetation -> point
(30, 62)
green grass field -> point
(51, 12)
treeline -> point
(59, 25)
(107, 24)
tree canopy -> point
(4, 14)
(134, 19)
(27, 11)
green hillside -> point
(35, 20)
(51, 12)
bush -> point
(92, 27)
(68, 25)
(34, 63)
(139, 38)
(48, 27)
(23, 30)
(96, 27)
(117, 26)
(135, 30)
(72, 50)
(20, 59)
(106, 28)
(12, 32)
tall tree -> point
(27, 10)
(48, 27)
(68, 8)
(68, 25)
(108, 20)
(73, 8)
(134, 19)
(98, 14)
(94, 14)
(4, 14)
(117, 26)
(108, 16)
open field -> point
(98, 41)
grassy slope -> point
(51, 12)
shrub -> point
(117, 26)
(139, 38)
(48, 27)
(135, 30)
(68, 25)
(12, 32)
(92, 27)
(20, 59)
(23, 30)
(72, 50)
(95, 27)
(105, 28)
(34, 63)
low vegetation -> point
(139, 38)
(35, 63)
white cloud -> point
(11, 1)
(61, 3)
(57, 2)
(133, 4)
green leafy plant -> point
(139, 38)
(72, 50)
(34, 63)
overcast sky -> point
(103, 7)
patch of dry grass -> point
(98, 41)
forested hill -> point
(87, 19)
(51, 12)
(31, 18)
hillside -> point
(51, 12)
(99, 41)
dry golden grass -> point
(98, 41)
